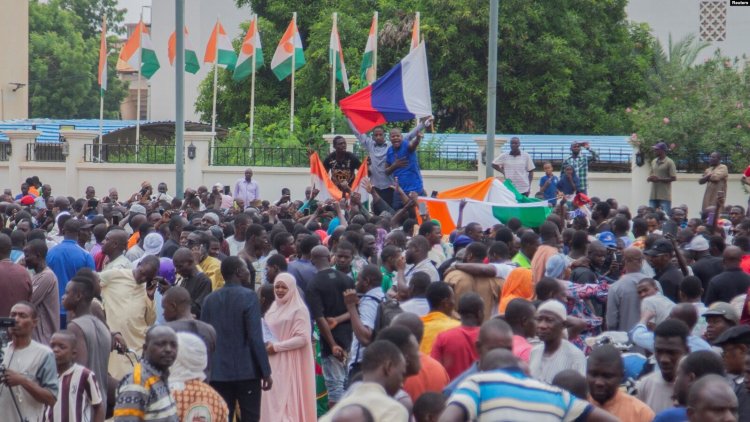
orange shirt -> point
(626, 407)
(134, 239)
(431, 378)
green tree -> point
(63, 67)
(90, 12)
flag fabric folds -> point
(401, 94)
(336, 57)
(191, 58)
(250, 49)
(102, 74)
(367, 70)
(488, 202)
(415, 33)
(139, 50)
(219, 48)
(290, 45)
(328, 190)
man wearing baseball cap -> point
(663, 173)
(735, 343)
(659, 255)
(720, 317)
(580, 163)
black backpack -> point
(388, 309)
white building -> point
(725, 26)
(200, 17)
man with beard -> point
(670, 345)
(417, 257)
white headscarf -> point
(192, 358)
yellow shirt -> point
(212, 268)
(434, 324)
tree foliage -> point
(564, 67)
(90, 12)
(63, 66)
(696, 108)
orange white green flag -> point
(219, 48)
(138, 50)
(336, 57)
(415, 33)
(191, 58)
(367, 71)
(289, 50)
(250, 49)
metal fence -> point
(611, 160)
(262, 156)
(5, 151)
(45, 151)
(129, 153)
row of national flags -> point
(138, 52)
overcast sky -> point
(134, 9)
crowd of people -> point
(232, 305)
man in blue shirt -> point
(67, 258)
(240, 370)
(402, 163)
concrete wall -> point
(14, 59)
(72, 177)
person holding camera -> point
(580, 164)
(28, 380)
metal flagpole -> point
(375, 51)
(333, 76)
(213, 112)
(252, 84)
(492, 87)
(138, 98)
(179, 121)
(294, 48)
(101, 97)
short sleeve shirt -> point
(368, 312)
(516, 169)
(409, 177)
(662, 169)
(342, 170)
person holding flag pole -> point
(102, 76)
(249, 60)
(219, 51)
(338, 69)
(287, 58)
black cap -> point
(660, 247)
(739, 334)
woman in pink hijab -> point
(290, 353)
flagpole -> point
(375, 51)
(213, 109)
(333, 77)
(252, 85)
(294, 51)
(101, 96)
(138, 98)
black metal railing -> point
(611, 160)
(45, 151)
(460, 159)
(129, 153)
(5, 151)
(262, 156)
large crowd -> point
(230, 304)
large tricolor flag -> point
(488, 202)
(219, 49)
(328, 190)
(289, 46)
(191, 57)
(139, 50)
(367, 71)
(401, 94)
(250, 49)
(102, 74)
(336, 57)
(415, 32)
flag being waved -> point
(102, 74)
(250, 49)
(415, 33)
(328, 190)
(288, 50)
(401, 94)
(336, 57)
(138, 50)
(219, 49)
(368, 70)
(191, 58)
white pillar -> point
(75, 139)
(640, 189)
(18, 141)
(194, 167)
(481, 145)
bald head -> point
(686, 313)
(412, 322)
(498, 359)
(709, 396)
(320, 256)
(136, 221)
(178, 297)
(494, 334)
(732, 257)
(607, 356)
(632, 259)
(62, 202)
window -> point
(713, 20)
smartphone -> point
(226, 190)
(115, 219)
(422, 208)
(434, 194)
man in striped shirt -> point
(78, 397)
(503, 392)
(144, 394)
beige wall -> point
(71, 177)
(14, 59)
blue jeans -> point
(665, 205)
(334, 372)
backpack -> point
(388, 309)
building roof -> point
(50, 128)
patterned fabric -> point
(144, 396)
(198, 401)
(580, 166)
(579, 304)
(320, 382)
(78, 391)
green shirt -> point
(662, 169)
(387, 279)
(521, 260)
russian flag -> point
(401, 94)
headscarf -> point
(191, 361)
(555, 267)
(284, 312)
(517, 285)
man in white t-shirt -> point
(517, 166)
